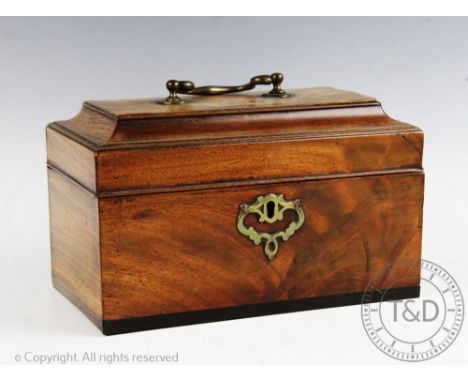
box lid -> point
(254, 102)
(144, 146)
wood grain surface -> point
(176, 252)
(247, 102)
(71, 158)
(146, 169)
(74, 235)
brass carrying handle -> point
(188, 87)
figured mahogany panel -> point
(204, 163)
(180, 251)
(74, 235)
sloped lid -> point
(252, 102)
(104, 125)
(143, 146)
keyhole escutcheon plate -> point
(270, 208)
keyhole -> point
(270, 209)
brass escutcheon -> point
(270, 209)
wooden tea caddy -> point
(174, 211)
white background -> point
(417, 67)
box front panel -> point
(184, 251)
(206, 163)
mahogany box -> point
(167, 212)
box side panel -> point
(74, 229)
(148, 170)
(71, 158)
(181, 251)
